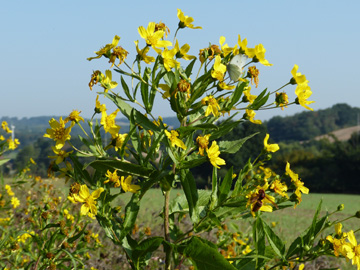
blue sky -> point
(45, 44)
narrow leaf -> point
(204, 256)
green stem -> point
(280, 88)
(168, 250)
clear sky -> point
(44, 46)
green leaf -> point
(122, 166)
(236, 95)
(73, 260)
(131, 212)
(225, 185)
(144, 88)
(238, 184)
(51, 225)
(206, 126)
(120, 103)
(79, 171)
(274, 241)
(224, 128)
(126, 89)
(145, 248)
(180, 203)
(194, 161)
(214, 192)
(204, 256)
(76, 236)
(189, 186)
(231, 147)
(3, 161)
(259, 241)
(189, 68)
(260, 100)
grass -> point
(290, 222)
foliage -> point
(41, 229)
(325, 166)
(307, 125)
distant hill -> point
(299, 127)
(343, 134)
(310, 124)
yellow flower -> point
(142, 54)
(297, 77)
(167, 89)
(74, 116)
(107, 82)
(15, 202)
(183, 86)
(253, 72)
(293, 176)
(68, 215)
(218, 69)
(270, 147)
(173, 138)
(279, 188)
(300, 188)
(88, 200)
(161, 26)
(108, 122)
(339, 243)
(249, 115)
(32, 161)
(58, 132)
(213, 154)
(9, 191)
(153, 38)
(243, 49)
(258, 55)
(225, 48)
(186, 21)
(112, 177)
(247, 96)
(182, 52)
(224, 86)
(303, 92)
(354, 254)
(213, 106)
(119, 141)
(96, 77)
(168, 58)
(13, 144)
(126, 184)
(281, 100)
(118, 53)
(106, 50)
(203, 142)
(60, 155)
(4, 125)
(98, 106)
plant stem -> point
(168, 250)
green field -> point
(290, 222)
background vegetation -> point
(325, 166)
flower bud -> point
(341, 207)
(357, 214)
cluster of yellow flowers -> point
(14, 200)
(345, 244)
(10, 143)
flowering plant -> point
(154, 154)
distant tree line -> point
(323, 166)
